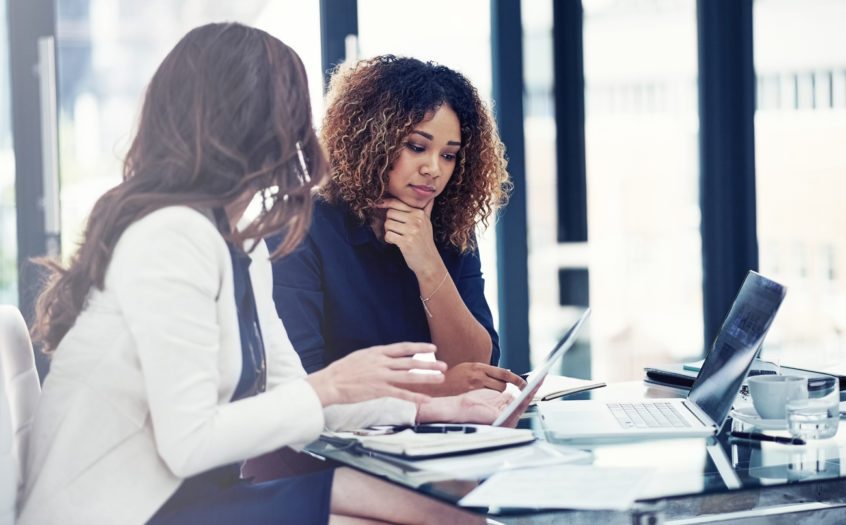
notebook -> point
(555, 386)
(707, 406)
(414, 445)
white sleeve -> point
(166, 273)
(383, 411)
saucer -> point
(749, 416)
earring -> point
(306, 176)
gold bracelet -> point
(425, 300)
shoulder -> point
(327, 222)
(173, 221)
(171, 233)
(328, 216)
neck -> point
(377, 223)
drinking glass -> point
(818, 416)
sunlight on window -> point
(800, 129)
(641, 135)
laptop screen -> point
(733, 350)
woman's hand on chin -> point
(410, 229)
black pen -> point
(756, 436)
(435, 429)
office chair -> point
(18, 399)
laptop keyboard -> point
(647, 415)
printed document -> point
(481, 464)
(560, 487)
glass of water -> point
(818, 416)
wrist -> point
(322, 384)
(439, 410)
(428, 275)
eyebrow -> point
(430, 137)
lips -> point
(422, 189)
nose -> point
(431, 166)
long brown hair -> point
(223, 115)
(374, 104)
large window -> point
(800, 132)
(548, 320)
(641, 135)
(107, 52)
(8, 228)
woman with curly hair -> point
(415, 165)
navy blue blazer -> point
(342, 290)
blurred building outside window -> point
(548, 319)
(800, 130)
(642, 158)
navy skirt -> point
(220, 497)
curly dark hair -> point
(373, 105)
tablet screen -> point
(537, 375)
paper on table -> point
(560, 487)
(475, 466)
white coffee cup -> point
(771, 393)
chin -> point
(417, 202)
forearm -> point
(458, 336)
(382, 411)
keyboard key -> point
(647, 415)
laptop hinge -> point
(698, 413)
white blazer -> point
(137, 397)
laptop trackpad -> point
(577, 417)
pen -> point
(435, 429)
(756, 436)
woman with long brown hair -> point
(416, 164)
(169, 364)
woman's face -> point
(427, 159)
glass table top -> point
(680, 467)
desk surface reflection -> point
(691, 477)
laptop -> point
(706, 408)
(537, 375)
